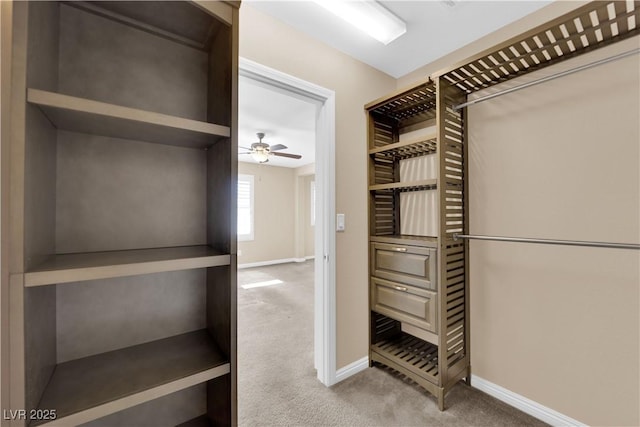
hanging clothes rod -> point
(550, 241)
(546, 79)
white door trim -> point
(325, 239)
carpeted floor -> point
(277, 383)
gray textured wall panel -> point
(115, 194)
(104, 60)
(103, 315)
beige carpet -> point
(277, 383)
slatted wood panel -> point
(411, 353)
(418, 102)
(383, 327)
(416, 149)
(456, 302)
(592, 26)
(383, 169)
(383, 214)
(425, 184)
(383, 133)
(451, 176)
(452, 256)
(408, 149)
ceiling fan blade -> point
(291, 156)
(248, 152)
(277, 147)
(244, 148)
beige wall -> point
(305, 233)
(274, 206)
(279, 46)
(282, 229)
(305, 208)
(558, 325)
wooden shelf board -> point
(102, 265)
(406, 239)
(413, 354)
(99, 118)
(416, 94)
(405, 145)
(92, 387)
(404, 185)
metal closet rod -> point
(550, 241)
(551, 77)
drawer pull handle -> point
(400, 249)
(400, 288)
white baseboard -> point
(524, 404)
(263, 263)
(307, 258)
(352, 369)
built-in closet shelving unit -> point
(418, 188)
(417, 164)
(123, 242)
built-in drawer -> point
(412, 265)
(408, 304)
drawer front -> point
(404, 303)
(412, 265)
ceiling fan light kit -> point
(261, 151)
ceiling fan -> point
(261, 151)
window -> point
(312, 198)
(245, 207)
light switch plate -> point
(340, 222)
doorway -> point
(324, 237)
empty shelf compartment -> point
(92, 387)
(100, 118)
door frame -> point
(325, 240)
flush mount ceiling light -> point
(368, 16)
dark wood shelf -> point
(418, 103)
(406, 149)
(409, 353)
(405, 239)
(100, 118)
(102, 265)
(89, 388)
(424, 184)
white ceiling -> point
(434, 29)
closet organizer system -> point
(418, 209)
(122, 228)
